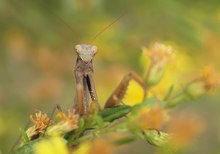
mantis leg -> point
(92, 90)
(120, 91)
(79, 96)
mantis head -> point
(86, 52)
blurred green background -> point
(37, 40)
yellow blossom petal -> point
(134, 94)
(174, 74)
(83, 148)
(55, 145)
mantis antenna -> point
(104, 29)
(73, 31)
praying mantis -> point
(85, 85)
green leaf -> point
(24, 135)
(26, 148)
(111, 114)
(109, 111)
(81, 123)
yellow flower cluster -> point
(43, 125)
(57, 145)
(41, 122)
(158, 55)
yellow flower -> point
(174, 75)
(134, 93)
(40, 121)
(158, 56)
(159, 53)
(54, 145)
(83, 148)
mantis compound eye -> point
(94, 49)
(78, 48)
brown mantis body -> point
(84, 80)
(85, 85)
